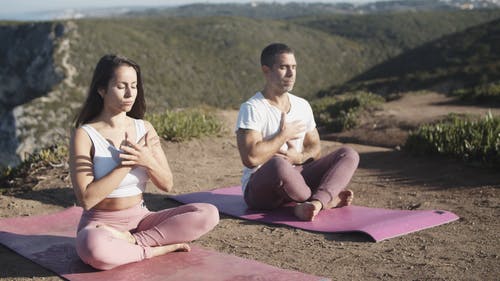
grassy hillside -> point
(215, 61)
(462, 60)
(386, 35)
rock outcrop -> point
(28, 71)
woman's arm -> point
(88, 191)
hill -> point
(462, 60)
(185, 61)
(188, 61)
(385, 36)
(210, 60)
(214, 60)
(280, 10)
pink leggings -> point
(100, 249)
(278, 182)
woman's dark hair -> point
(103, 73)
(268, 55)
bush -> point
(185, 124)
(55, 156)
(484, 93)
(342, 112)
(463, 138)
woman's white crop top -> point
(106, 158)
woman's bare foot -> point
(125, 235)
(161, 250)
(344, 198)
(307, 211)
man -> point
(280, 146)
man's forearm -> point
(266, 149)
(254, 150)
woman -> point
(113, 155)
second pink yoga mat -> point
(378, 223)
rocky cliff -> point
(28, 71)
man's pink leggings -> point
(100, 249)
(278, 182)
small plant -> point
(463, 138)
(5, 171)
(185, 124)
(342, 112)
(55, 156)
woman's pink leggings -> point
(100, 249)
(278, 182)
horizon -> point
(51, 9)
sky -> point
(24, 9)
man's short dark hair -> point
(268, 55)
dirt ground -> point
(467, 249)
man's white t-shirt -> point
(259, 115)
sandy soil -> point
(467, 249)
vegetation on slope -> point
(181, 125)
(212, 61)
(389, 34)
(467, 63)
(215, 60)
(340, 113)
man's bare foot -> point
(161, 250)
(124, 235)
(344, 198)
(307, 211)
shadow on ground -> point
(427, 172)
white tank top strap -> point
(140, 129)
(97, 139)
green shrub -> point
(339, 113)
(484, 93)
(463, 138)
(5, 172)
(185, 124)
(55, 156)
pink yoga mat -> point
(49, 241)
(380, 224)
